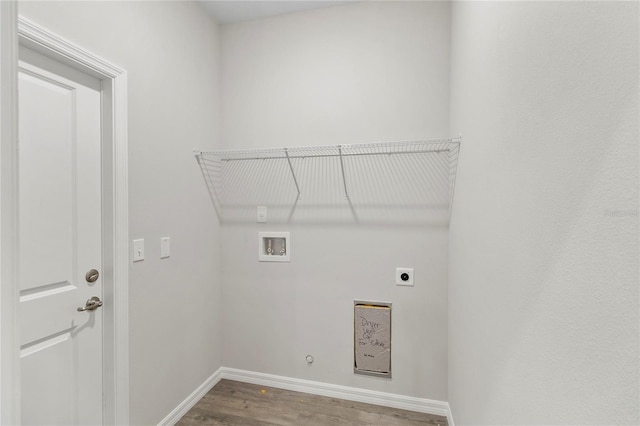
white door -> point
(60, 240)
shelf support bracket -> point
(293, 173)
(344, 181)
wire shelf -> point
(361, 182)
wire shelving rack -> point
(360, 177)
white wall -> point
(356, 73)
(170, 51)
(543, 298)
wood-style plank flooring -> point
(236, 403)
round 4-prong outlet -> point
(404, 276)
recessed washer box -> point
(274, 247)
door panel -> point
(59, 238)
(46, 176)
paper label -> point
(373, 338)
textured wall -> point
(170, 52)
(365, 72)
(543, 290)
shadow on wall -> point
(408, 183)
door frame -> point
(19, 32)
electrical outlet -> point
(404, 276)
(261, 214)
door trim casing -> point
(114, 212)
(9, 375)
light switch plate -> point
(138, 250)
(261, 214)
(165, 249)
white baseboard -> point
(422, 405)
(191, 400)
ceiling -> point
(230, 11)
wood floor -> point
(236, 403)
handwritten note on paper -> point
(372, 335)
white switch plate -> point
(261, 216)
(165, 249)
(399, 274)
(138, 250)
